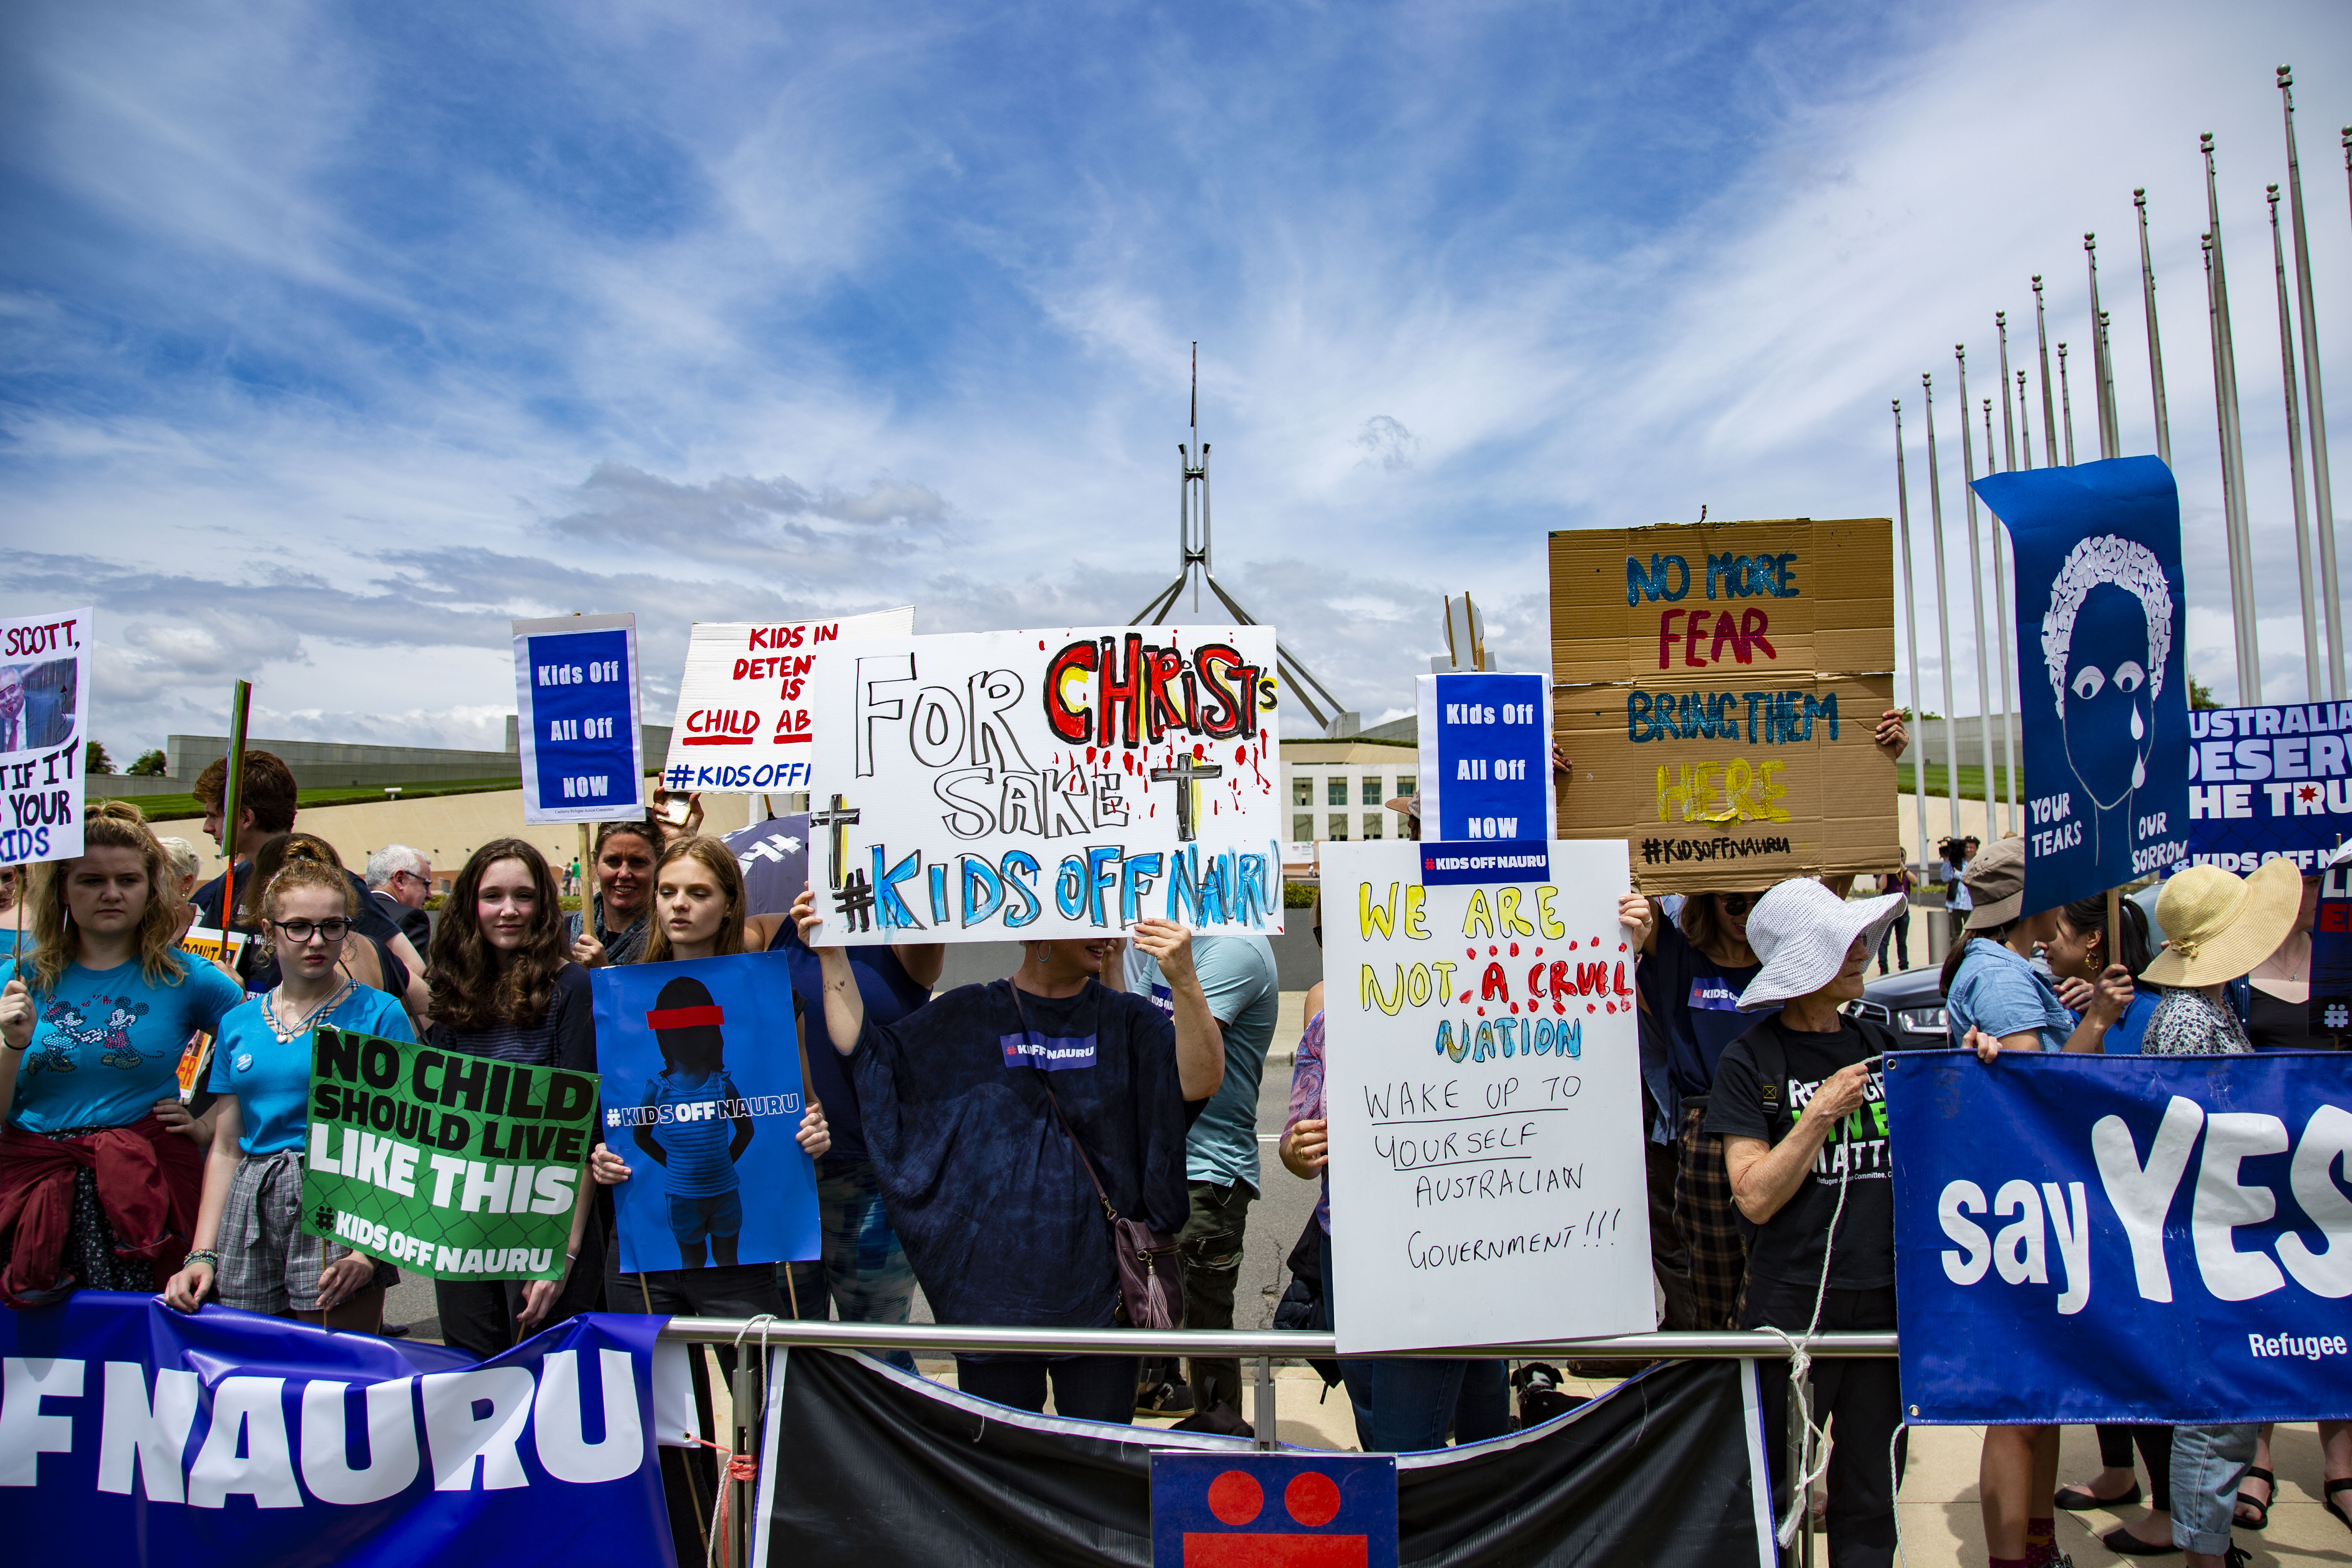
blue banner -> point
(2103, 678)
(2268, 781)
(700, 1064)
(2087, 1239)
(576, 719)
(140, 1435)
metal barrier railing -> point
(1261, 1348)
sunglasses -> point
(1734, 903)
(301, 932)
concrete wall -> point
(321, 764)
(447, 828)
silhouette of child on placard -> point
(695, 1141)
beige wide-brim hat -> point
(2218, 925)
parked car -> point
(1910, 1002)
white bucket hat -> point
(1802, 930)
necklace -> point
(286, 1031)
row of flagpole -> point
(2306, 417)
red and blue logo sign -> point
(1272, 1511)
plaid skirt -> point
(1708, 1224)
(269, 1263)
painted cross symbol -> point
(1184, 772)
(839, 818)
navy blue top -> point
(982, 1183)
(1696, 1001)
(890, 994)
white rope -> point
(712, 1537)
(1815, 1439)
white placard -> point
(1057, 784)
(43, 719)
(744, 708)
(1482, 1075)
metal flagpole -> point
(2007, 433)
(2102, 384)
(2323, 499)
(2049, 417)
(2155, 348)
(2000, 639)
(1976, 592)
(2315, 689)
(2221, 424)
(2025, 422)
(1911, 625)
(2067, 403)
(2234, 441)
(2115, 432)
(1943, 610)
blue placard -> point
(1299, 1511)
(2269, 781)
(701, 1072)
(2163, 1239)
(139, 1435)
(2103, 681)
(1485, 756)
(576, 719)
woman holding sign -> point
(249, 1241)
(613, 928)
(503, 988)
(97, 1156)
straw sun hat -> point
(2219, 925)
(1803, 932)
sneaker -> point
(1164, 1399)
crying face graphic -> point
(2105, 640)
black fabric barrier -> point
(868, 1468)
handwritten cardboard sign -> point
(44, 716)
(1718, 687)
(1483, 1081)
(744, 709)
(1047, 784)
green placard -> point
(459, 1167)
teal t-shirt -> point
(106, 1043)
(1244, 992)
(271, 1077)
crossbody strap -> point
(1060, 1121)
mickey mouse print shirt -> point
(106, 1043)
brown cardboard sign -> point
(1717, 686)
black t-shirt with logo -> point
(1761, 1086)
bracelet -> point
(205, 1255)
(20, 1050)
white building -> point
(1340, 789)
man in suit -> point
(398, 879)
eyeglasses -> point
(302, 931)
(413, 877)
(1736, 903)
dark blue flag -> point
(2104, 680)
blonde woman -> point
(98, 1160)
(250, 1245)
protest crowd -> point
(940, 1160)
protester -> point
(612, 927)
(100, 1174)
(1993, 994)
(1819, 1217)
(249, 1240)
(1898, 930)
(991, 1115)
(400, 880)
(2278, 989)
(503, 988)
(366, 959)
(1237, 975)
(185, 865)
(266, 809)
(699, 913)
(2077, 955)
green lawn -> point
(1972, 781)
(164, 807)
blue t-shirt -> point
(698, 1158)
(271, 1077)
(983, 1184)
(889, 993)
(106, 1044)
(1696, 1001)
(2001, 994)
(1244, 992)
(2124, 1036)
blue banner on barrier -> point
(2082, 1238)
(2102, 680)
(1293, 1510)
(140, 1435)
(2267, 782)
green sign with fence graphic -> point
(456, 1167)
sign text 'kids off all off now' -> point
(1042, 785)
(1719, 687)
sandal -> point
(2083, 1499)
(2262, 1518)
(2328, 1498)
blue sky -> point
(331, 338)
